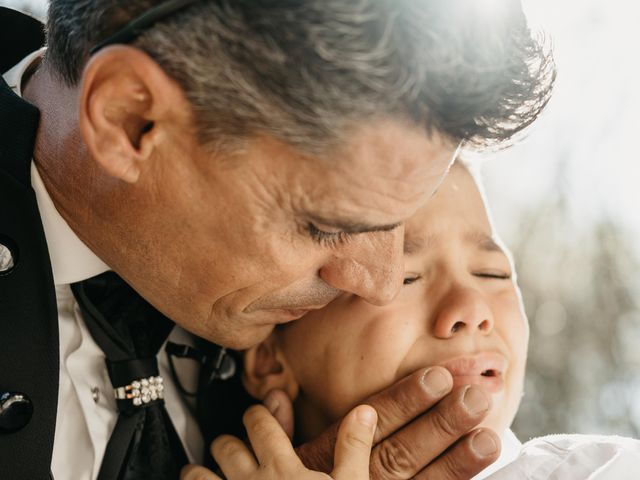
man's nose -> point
(369, 265)
(463, 311)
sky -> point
(585, 141)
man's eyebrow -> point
(348, 226)
(483, 241)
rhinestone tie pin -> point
(142, 391)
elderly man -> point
(229, 165)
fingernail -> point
(436, 382)
(475, 400)
(367, 416)
(272, 404)
(484, 444)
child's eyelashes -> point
(489, 275)
(493, 275)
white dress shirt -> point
(566, 457)
(87, 409)
(574, 457)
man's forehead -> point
(354, 207)
(374, 181)
(398, 157)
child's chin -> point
(499, 418)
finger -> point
(268, 440)
(409, 398)
(466, 459)
(318, 454)
(279, 404)
(196, 472)
(396, 406)
(412, 448)
(353, 445)
(233, 457)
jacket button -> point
(8, 255)
(15, 411)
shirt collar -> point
(14, 76)
(71, 260)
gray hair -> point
(305, 71)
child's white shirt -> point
(566, 457)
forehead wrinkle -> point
(408, 188)
(358, 211)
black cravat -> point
(144, 443)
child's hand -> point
(273, 456)
(424, 431)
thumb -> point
(279, 404)
(353, 445)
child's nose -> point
(463, 311)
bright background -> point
(566, 200)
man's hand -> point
(273, 456)
(425, 431)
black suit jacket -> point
(29, 351)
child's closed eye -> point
(492, 274)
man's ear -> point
(266, 369)
(126, 102)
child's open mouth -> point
(484, 369)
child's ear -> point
(266, 369)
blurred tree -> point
(581, 290)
